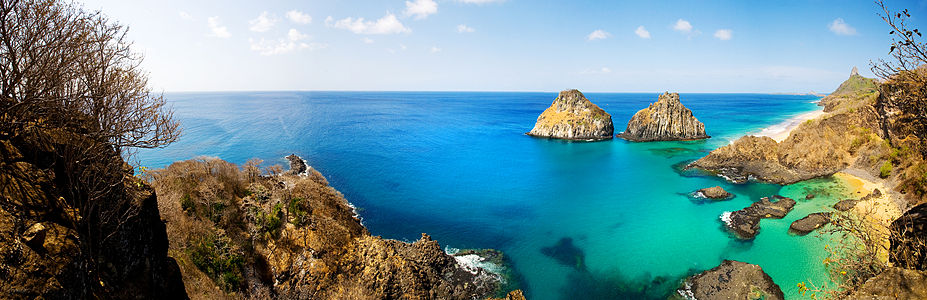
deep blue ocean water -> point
(458, 166)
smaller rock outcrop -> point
(513, 295)
(848, 204)
(731, 280)
(908, 239)
(893, 283)
(715, 192)
(745, 223)
(664, 120)
(297, 165)
(573, 117)
(809, 223)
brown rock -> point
(893, 283)
(745, 223)
(35, 234)
(715, 192)
(664, 120)
(573, 117)
(908, 239)
(809, 223)
(731, 280)
(513, 295)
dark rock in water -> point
(573, 117)
(809, 223)
(845, 205)
(715, 192)
(848, 204)
(664, 120)
(513, 295)
(908, 239)
(566, 253)
(809, 196)
(297, 165)
(731, 280)
(745, 223)
(893, 283)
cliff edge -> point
(573, 117)
(664, 120)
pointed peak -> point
(571, 93)
(668, 96)
(854, 71)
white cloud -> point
(840, 27)
(388, 24)
(368, 40)
(403, 47)
(683, 26)
(642, 32)
(217, 29)
(298, 17)
(262, 23)
(602, 70)
(421, 8)
(479, 1)
(464, 28)
(294, 41)
(599, 34)
(435, 49)
(184, 15)
(724, 34)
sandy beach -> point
(878, 212)
(781, 131)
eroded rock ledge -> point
(664, 120)
(731, 280)
(573, 117)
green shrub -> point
(298, 210)
(214, 255)
(885, 170)
(187, 204)
(270, 223)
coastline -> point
(877, 213)
(781, 131)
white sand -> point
(781, 131)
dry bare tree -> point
(73, 94)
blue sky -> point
(505, 45)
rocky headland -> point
(745, 223)
(266, 234)
(849, 134)
(664, 120)
(731, 280)
(573, 117)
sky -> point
(505, 45)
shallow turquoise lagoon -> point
(458, 166)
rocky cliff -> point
(848, 136)
(60, 239)
(573, 117)
(664, 120)
(238, 231)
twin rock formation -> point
(573, 117)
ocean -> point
(600, 220)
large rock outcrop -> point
(849, 136)
(664, 120)
(731, 280)
(573, 117)
(54, 248)
(893, 284)
(293, 236)
(745, 223)
(809, 223)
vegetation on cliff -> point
(74, 221)
(664, 120)
(573, 117)
(258, 232)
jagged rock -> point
(35, 235)
(573, 117)
(745, 223)
(715, 192)
(297, 165)
(664, 120)
(893, 283)
(809, 196)
(809, 223)
(731, 280)
(908, 239)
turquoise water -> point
(459, 167)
